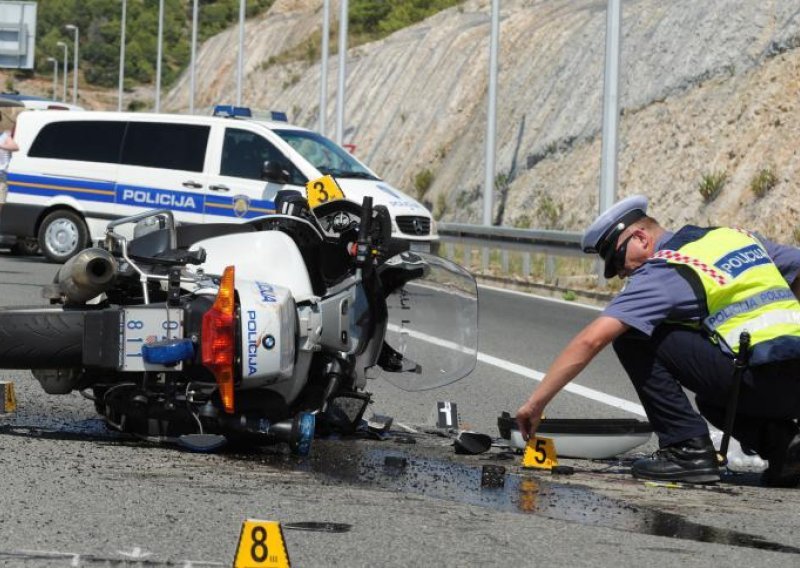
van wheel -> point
(62, 235)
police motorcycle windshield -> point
(432, 334)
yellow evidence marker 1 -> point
(540, 453)
(322, 190)
(8, 402)
(261, 545)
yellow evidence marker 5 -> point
(261, 545)
(8, 401)
(540, 453)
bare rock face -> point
(708, 90)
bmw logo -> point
(268, 342)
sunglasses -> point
(618, 260)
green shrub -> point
(711, 184)
(569, 296)
(764, 180)
(136, 105)
(522, 222)
(548, 211)
(423, 181)
(441, 206)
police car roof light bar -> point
(230, 111)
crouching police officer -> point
(677, 322)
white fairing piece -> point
(588, 446)
(266, 256)
(268, 322)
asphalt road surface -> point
(73, 493)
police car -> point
(76, 171)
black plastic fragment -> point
(493, 476)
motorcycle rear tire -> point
(41, 338)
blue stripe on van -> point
(46, 186)
(236, 206)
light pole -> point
(73, 28)
(342, 71)
(323, 84)
(608, 164)
(64, 45)
(54, 61)
(122, 55)
(240, 61)
(194, 51)
(491, 116)
(158, 60)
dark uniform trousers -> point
(678, 356)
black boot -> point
(782, 451)
(692, 461)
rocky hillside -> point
(710, 93)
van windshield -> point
(324, 154)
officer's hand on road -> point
(528, 417)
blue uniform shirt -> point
(656, 291)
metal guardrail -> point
(535, 240)
(503, 242)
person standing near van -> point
(7, 147)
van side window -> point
(244, 154)
(84, 140)
(165, 145)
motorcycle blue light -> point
(305, 433)
(167, 352)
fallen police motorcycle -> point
(258, 332)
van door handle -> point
(219, 188)
(192, 184)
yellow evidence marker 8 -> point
(261, 545)
(322, 190)
(540, 453)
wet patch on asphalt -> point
(397, 471)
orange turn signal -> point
(218, 341)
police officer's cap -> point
(601, 236)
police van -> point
(75, 172)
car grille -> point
(412, 225)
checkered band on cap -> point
(680, 258)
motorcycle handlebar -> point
(366, 219)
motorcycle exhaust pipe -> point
(86, 275)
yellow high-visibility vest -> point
(744, 291)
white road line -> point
(545, 298)
(537, 376)
(586, 392)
